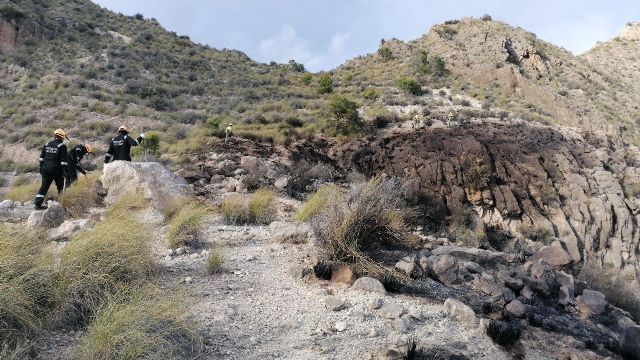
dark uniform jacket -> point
(54, 159)
(120, 148)
(75, 156)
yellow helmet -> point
(123, 128)
(60, 133)
(89, 149)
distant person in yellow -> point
(228, 132)
(449, 118)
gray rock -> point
(480, 256)
(288, 232)
(459, 311)
(6, 204)
(416, 314)
(473, 267)
(402, 324)
(369, 284)
(298, 272)
(52, 217)
(516, 308)
(630, 343)
(406, 265)
(376, 303)
(281, 182)
(334, 303)
(445, 269)
(253, 165)
(591, 302)
(391, 311)
(553, 255)
(340, 326)
(526, 293)
(565, 296)
(68, 229)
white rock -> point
(68, 229)
(391, 311)
(369, 284)
(459, 311)
(281, 182)
(340, 326)
(376, 303)
(334, 303)
(188, 280)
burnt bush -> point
(504, 333)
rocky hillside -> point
(511, 69)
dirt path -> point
(257, 308)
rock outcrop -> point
(152, 181)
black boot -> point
(39, 206)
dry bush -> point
(430, 210)
(98, 263)
(466, 228)
(81, 195)
(537, 233)
(373, 215)
(141, 323)
(257, 208)
(185, 226)
(318, 201)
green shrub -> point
(141, 323)
(385, 53)
(370, 93)
(307, 78)
(184, 228)
(344, 117)
(317, 202)
(325, 84)
(99, 263)
(409, 86)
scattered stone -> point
(591, 302)
(369, 284)
(324, 328)
(334, 303)
(188, 280)
(473, 267)
(376, 303)
(445, 269)
(516, 308)
(565, 295)
(391, 311)
(406, 265)
(630, 343)
(180, 251)
(402, 324)
(340, 326)
(298, 271)
(68, 229)
(373, 332)
(526, 293)
(415, 313)
(459, 311)
(281, 182)
(288, 232)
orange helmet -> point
(89, 149)
(123, 128)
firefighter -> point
(228, 132)
(75, 157)
(120, 146)
(53, 166)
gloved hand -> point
(142, 135)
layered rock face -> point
(523, 178)
(15, 32)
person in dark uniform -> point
(120, 146)
(53, 166)
(75, 157)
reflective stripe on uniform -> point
(109, 155)
(39, 196)
(41, 159)
(63, 163)
(60, 144)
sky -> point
(323, 34)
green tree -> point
(344, 115)
(307, 78)
(152, 143)
(410, 86)
(385, 53)
(438, 66)
(325, 84)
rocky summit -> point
(470, 194)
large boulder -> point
(553, 255)
(150, 180)
(591, 302)
(14, 211)
(68, 229)
(52, 217)
(445, 269)
(458, 311)
(369, 284)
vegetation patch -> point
(215, 259)
(257, 208)
(81, 196)
(141, 323)
(23, 192)
(318, 201)
(185, 226)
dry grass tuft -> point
(81, 195)
(215, 260)
(318, 201)
(23, 192)
(257, 208)
(141, 323)
(185, 226)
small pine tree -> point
(344, 115)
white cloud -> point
(284, 46)
(338, 42)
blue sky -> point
(323, 34)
